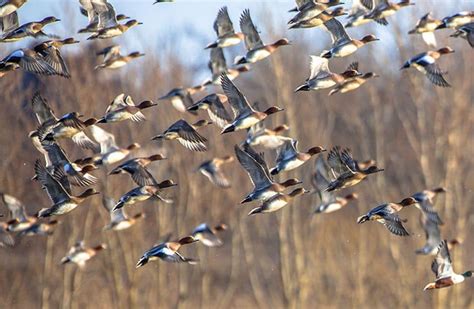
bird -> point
(257, 170)
(186, 134)
(63, 202)
(433, 237)
(426, 64)
(385, 9)
(143, 193)
(79, 254)
(168, 252)
(387, 215)
(119, 220)
(358, 13)
(328, 201)
(256, 51)
(226, 36)
(5, 238)
(20, 220)
(207, 235)
(267, 138)
(317, 20)
(31, 29)
(346, 170)
(457, 20)
(181, 98)
(443, 269)
(214, 104)
(301, 3)
(289, 158)
(118, 61)
(51, 54)
(100, 14)
(137, 168)
(351, 84)
(212, 170)
(425, 203)
(322, 78)
(309, 10)
(109, 52)
(218, 66)
(426, 26)
(342, 44)
(27, 60)
(277, 202)
(40, 229)
(69, 126)
(123, 108)
(110, 153)
(114, 31)
(466, 32)
(244, 115)
(8, 7)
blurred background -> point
(421, 135)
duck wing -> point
(337, 31)
(223, 25)
(256, 171)
(252, 38)
(9, 22)
(237, 100)
(441, 265)
(435, 75)
(393, 223)
(117, 103)
(55, 190)
(15, 206)
(218, 113)
(217, 64)
(105, 139)
(42, 110)
(189, 137)
(318, 65)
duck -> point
(256, 51)
(207, 235)
(443, 269)
(6, 239)
(63, 202)
(40, 229)
(322, 78)
(168, 252)
(31, 29)
(226, 36)
(114, 31)
(79, 254)
(257, 170)
(214, 104)
(346, 170)
(69, 126)
(244, 115)
(186, 134)
(425, 203)
(109, 52)
(343, 44)
(8, 7)
(137, 168)
(310, 10)
(212, 170)
(426, 26)
(110, 153)
(20, 220)
(433, 237)
(119, 220)
(51, 54)
(28, 60)
(386, 9)
(300, 4)
(289, 157)
(48, 120)
(143, 193)
(267, 138)
(58, 160)
(181, 98)
(457, 20)
(320, 181)
(317, 20)
(358, 14)
(118, 61)
(123, 108)
(466, 32)
(426, 64)
(100, 14)
(353, 83)
(218, 66)
(277, 202)
(387, 215)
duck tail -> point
(142, 261)
(44, 212)
(255, 211)
(326, 54)
(65, 260)
(362, 219)
(304, 87)
(274, 171)
(240, 60)
(211, 45)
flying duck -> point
(212, 170)
(353, 83)
(207, 235)
(20, 220)
(226, 36)
(137, 169)
(277, 202)
(119, 220)
(425, 203)
(181, 98)
(143, 193)
(79, 254)
(168, 252)
(186, 134)
(31, 29)
(123, 108)
(218, 66)
(426, 26)
(214, 104)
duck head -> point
(273, 110)
(369, 38)
(133, 146)
(315, 150)
(282, 42)
(445, 50)
(408, 201)
(291, 182)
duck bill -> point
(160, 136)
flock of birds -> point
(336, 171)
